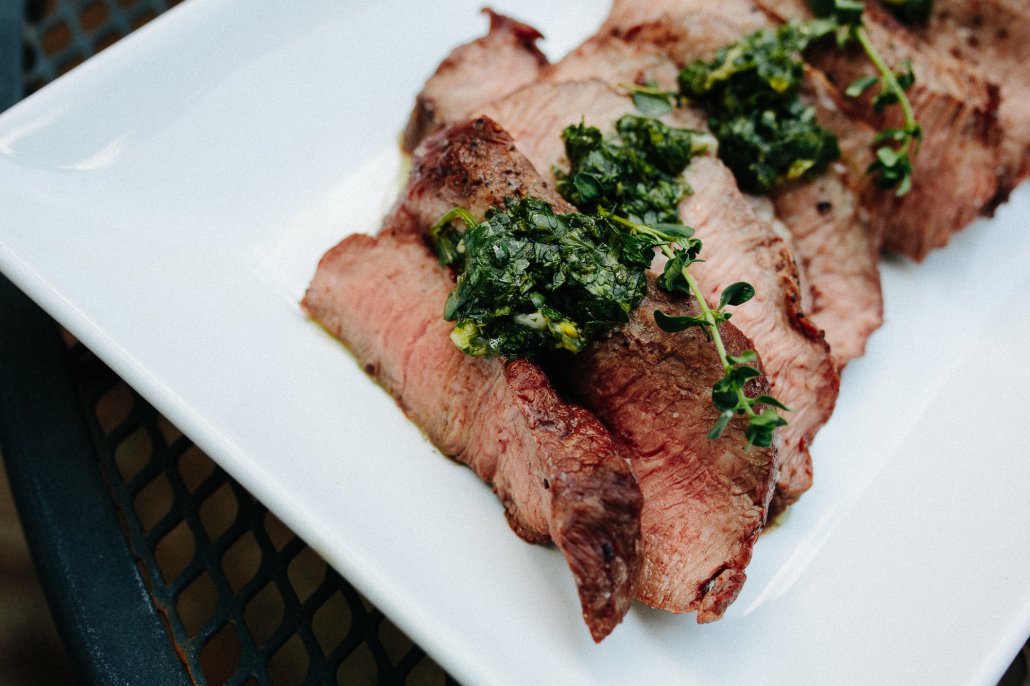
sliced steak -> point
(553, 465)
(475, 73)
(956, 173)
(689, 564)
(616, 61)
(960, 158)
(472, 163)
(834, 222)
(536, 115)
(738, 246)
(992, 36)
(837, 258)
(742, 16)
(705, 501)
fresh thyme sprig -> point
(682, 249)
(635, 186)
(892, 167)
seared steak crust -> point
(473, 164)
(705, 501)
(553, 465)
(468, 77)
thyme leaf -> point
(892, 165)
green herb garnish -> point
(767, 136)
(639, 153)
(728, 394)
(635, 170)
(892, 167)
(531, 281)
(750, 91)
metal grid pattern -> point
(61, 34)
(245, 601)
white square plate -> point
(168, 201)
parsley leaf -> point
(634, 171)
(749, 90)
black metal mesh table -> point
(159, 567)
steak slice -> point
(705, 501)
(742, 15)
(689, 564)
(738, 246)
(469, 76)
(956, 173)
(838, 260)
(957, 170)
(617, 62)
(472, 163)
(993, 37)
(553, 465)
(834, 221)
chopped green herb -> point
(532, 281)
(634, 171)
(750, 92)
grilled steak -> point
(739, 246)
(993, 37)
(960, 154)
(472, 164)
(835, 220)
(475, 73)
(740, 16)
(834, 235)
(691, 562)
(613, 60)
(705, 502)
(553, 465)
(956, 173)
